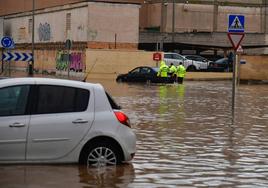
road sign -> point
(157, 56)
(236, 39)
(17, 56)
(239, 49)
(7, 42)
(236, 23)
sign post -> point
(236, 28)
(8, 44)
(157, 57)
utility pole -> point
(173, 20)
(31, 64)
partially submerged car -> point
(46, 120)
(143, 74)
(221, 65)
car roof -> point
(49, 81)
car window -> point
(113, 104)
(176, 56)
(135, 71)
(60, 99)
(169, 56)
(145, 70)
(13, 100)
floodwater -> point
(185, 139)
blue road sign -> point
(7, 42)
(17, 56)
(236, 23)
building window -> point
(68, 21)
(30, 26)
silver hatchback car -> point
(46, 120)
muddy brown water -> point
(185, 139)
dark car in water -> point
(142, 74)
(221, 65)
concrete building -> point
(97, 24)
(201, 25)
(163, 24)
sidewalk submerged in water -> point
(190, 76)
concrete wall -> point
(252, 18)
(256, 68)
(15, 6)
(200, 17)
(97, 23)
(114, 62)
(113, 22)
(49, 26)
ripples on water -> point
(185, 138)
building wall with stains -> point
(89, 22)
(199, 17)
(112, 22)
(255, 68)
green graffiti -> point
(62, 61)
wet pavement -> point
(185, 139)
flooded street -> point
(185, 138)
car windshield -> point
(223, 60)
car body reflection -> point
(65, 176)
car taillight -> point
(122, 118)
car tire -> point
(119, 80)
(101, 154)
(191, 68)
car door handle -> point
(17, 125)
(78, 121)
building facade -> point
(98, 24)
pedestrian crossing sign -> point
(236, 23)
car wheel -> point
(191, 68)
(102, 154)
(119, 80)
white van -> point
(190, 65)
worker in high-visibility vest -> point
(163, 71)
(173, 72)
(181, 71)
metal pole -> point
(68, 53)
(31, 64)
(173, 20)
(234, 87)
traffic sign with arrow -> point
(17, 56)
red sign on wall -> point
(157, 56)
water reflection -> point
(65, 176)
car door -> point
(14, 122)
(134, 75)
(61, 118)
(145, 73)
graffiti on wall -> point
(44, 32)
(92, 34)
(75, 58)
